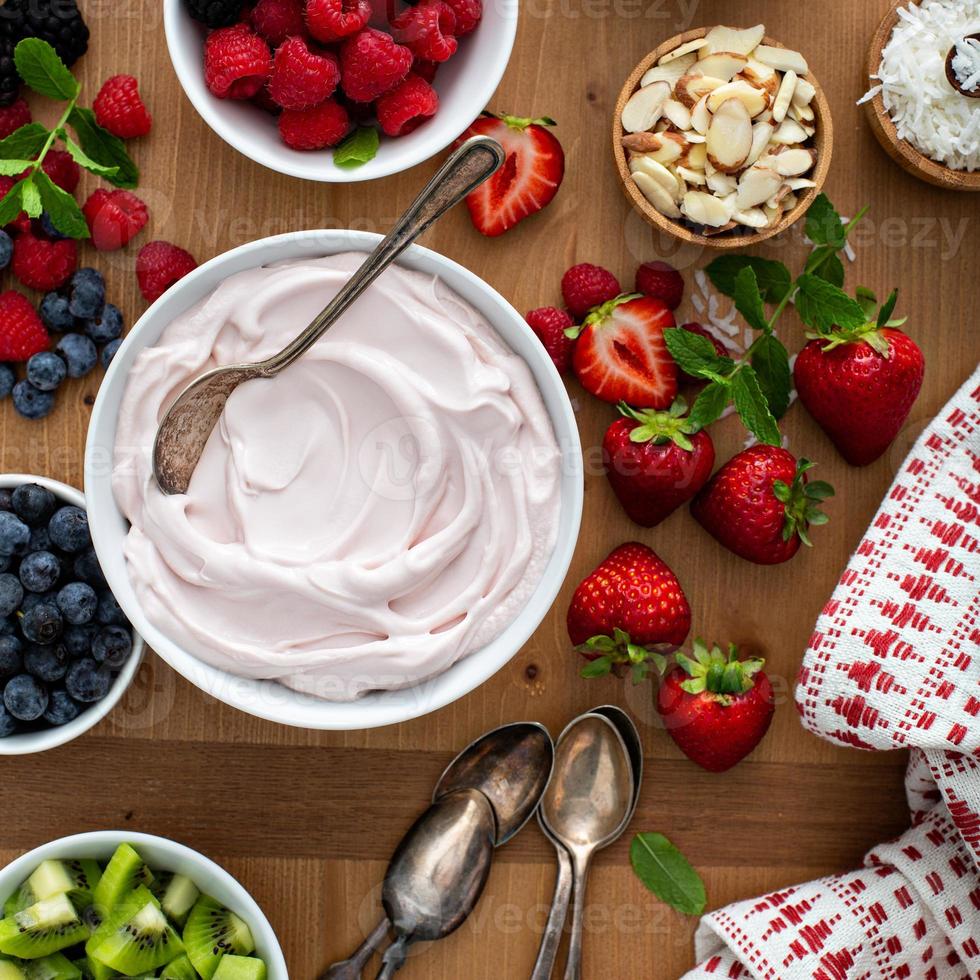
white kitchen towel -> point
(893, 662)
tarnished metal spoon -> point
(188, 424)
(631, 739)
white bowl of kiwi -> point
(112, 904)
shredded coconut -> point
(927, 111)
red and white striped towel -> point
(894, 662)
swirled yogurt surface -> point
(381, 509)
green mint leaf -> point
(885, 314)
(667, 873)
(11, 204)
(84, 160)
(773, 278)
(11, 168)
(41, 68)
(825, 263)
(709, 405)
(696, 354)
(31, 197)
(104, 148)
(358, 148)
(752, 408)
(748, 300)
(27, 142)
(824, 306)
(771, 364)
(824, 225)
(62, 208)
(868, 301)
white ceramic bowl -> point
(465, 85)
(268, 699)
(51, 738)
(167, 855)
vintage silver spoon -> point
(631, 739)
(188, 424)
(587, 806)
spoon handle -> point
(468, 167)
(394, 958)
(573, 965)
(551, 940)
(351, 968)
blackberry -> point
(9, 79)
(59, 22)
(215, 13)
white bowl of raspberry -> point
(377, 74)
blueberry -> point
(87, 569)
(112, 646)
(42, 624)
(33, 504)
(25, 697)
(78, 639)
(48, 663)
(14, 534)
(79, 353)
(34, 599)
(31, 402)
(86, 294)
(10, 659)
(46, 371)
(39, 572)
(6, 249)
(6, 499)
(77, 602)
(11, 594)
(107, 327)
(87, 681)
(48, 226)
(8, 626)
(61, 708)
(40, 540)
(8, 378)
(8, 724)
(109, 352)
(110, 613)
(55, 314)
(68, 528)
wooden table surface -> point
(307, 820)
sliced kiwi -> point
(130, 905)
(12, 970)
(57, 966)
(46, 927)
(76, 879)
(240, 968)
(179, 898)
(94, 970)
(179, 969)
(125, 872)
(21, 899)
(212, 931)
(139, 944)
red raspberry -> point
(22, 335)
(427, 30)
(406, 106)
(425, 69)
(275, 20)
(236, 62)
(330, 20)
(720, 349)
(119, 108)
(62, 170)
(549, 325)
(22, 222)
(159, 265)
(661, 281)
(586, 286)
(301, 77)
(371, 63)
(264, 101)
(315, 128)
(41, 263)
(114, 217)
(468, 15)
(13, 117)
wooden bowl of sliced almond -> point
(722, 137)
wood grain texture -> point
(307, 820)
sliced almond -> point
(800, 183)
(753, 218)
(691, 88)
(790, 201)
(723, 184)
(669, 148)
(701, 117)
(782, 59)
(723, 65)
(772, 214)
(678, 114)
(696, 156)
(761, 134)
(662, 126)
(692, 137)
(776, 201)
(641, 142)
(696, 45)
(805, 93)
(692, 176)
(670, 72)
(764, 116)
(705, 209)
(802, 113)
(754, 99)
(732, 39)
(789, 133)
(759, 74)
(784, 96)
(645, 107)
(756, 186)
(647, 165)
(795, 162)
(730, 136)
(656, 195)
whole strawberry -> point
(860, 386)
(656, 461)
(716, 708)
(631, 604)
(760, 505)
(621, 355)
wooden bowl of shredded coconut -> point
(928, 127)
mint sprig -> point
(665, 871)
(24, 150)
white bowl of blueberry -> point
(67, 652)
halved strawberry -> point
(621, 355)
(527, 181)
